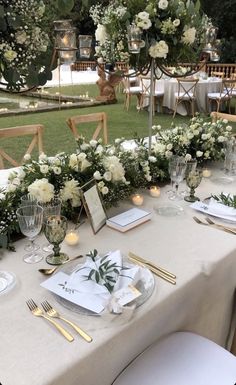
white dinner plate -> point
(145, 285)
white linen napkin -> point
(221, 209)
(95, 296)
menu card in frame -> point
(93, 205)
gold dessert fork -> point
(35, 310)
(54, 314)
(200, 222)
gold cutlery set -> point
(157, 270)
(49, 313)
(211, 223)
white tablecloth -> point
(203, 258)
(202, 89)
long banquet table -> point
(203, 258)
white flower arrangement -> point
(200, 139)
(117, 171)
(172, 30)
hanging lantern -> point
(135, 42)
(211, 44)
(65, 40)
(85, 43)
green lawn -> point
(57, 135)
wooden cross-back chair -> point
(186, 93)
(224, 96)
(218, 74)
(157, 94)
(34, 130)
(220, 115)
(99, 117)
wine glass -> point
(30, 219)
(191, 165)
(55, 231)
(51, 208)
(27, 200)
(177, 167)
(193, 179)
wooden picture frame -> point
(93, 205)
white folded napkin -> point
(221, 209)
(95, 296)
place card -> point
(126, 295)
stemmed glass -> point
(51, 208)
(193, 179)
(28, 200)
(30, 219)
(177, 167)
(55, 231)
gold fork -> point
(231, 229)
(54, 314)
(35, 310)
(208, 224)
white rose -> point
(43, 156)
(44, 168)
(176, 22)
(221, 139)
(93, 143)
(81, 156)
(228, 128)
(152, 159)
(163, 4)
(105, 190)
(42, 190)
(27, 157)
(97, 175)
(188, 157)
(107, 176)
(225, 121)
(159, 49)
(199, 154)
(56, 170)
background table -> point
(202, 89)
(203, 258)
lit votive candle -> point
(72, 238)
(155, 191)
(206, 173)
(137, 199)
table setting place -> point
(105, 286)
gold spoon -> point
(51, 270)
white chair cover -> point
(181, 358)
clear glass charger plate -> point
(145, 285)
(7, 281)
(168, 209)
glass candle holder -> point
(155, 191)
(55, 231)
(137, 199)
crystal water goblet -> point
(177, 167)
(30, 219)
(55, 229)
(193, 179)
(50, 208)
(27, 200)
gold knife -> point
(155, 271)
(146, 262)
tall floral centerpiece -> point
(171, 31)
(26, 40)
